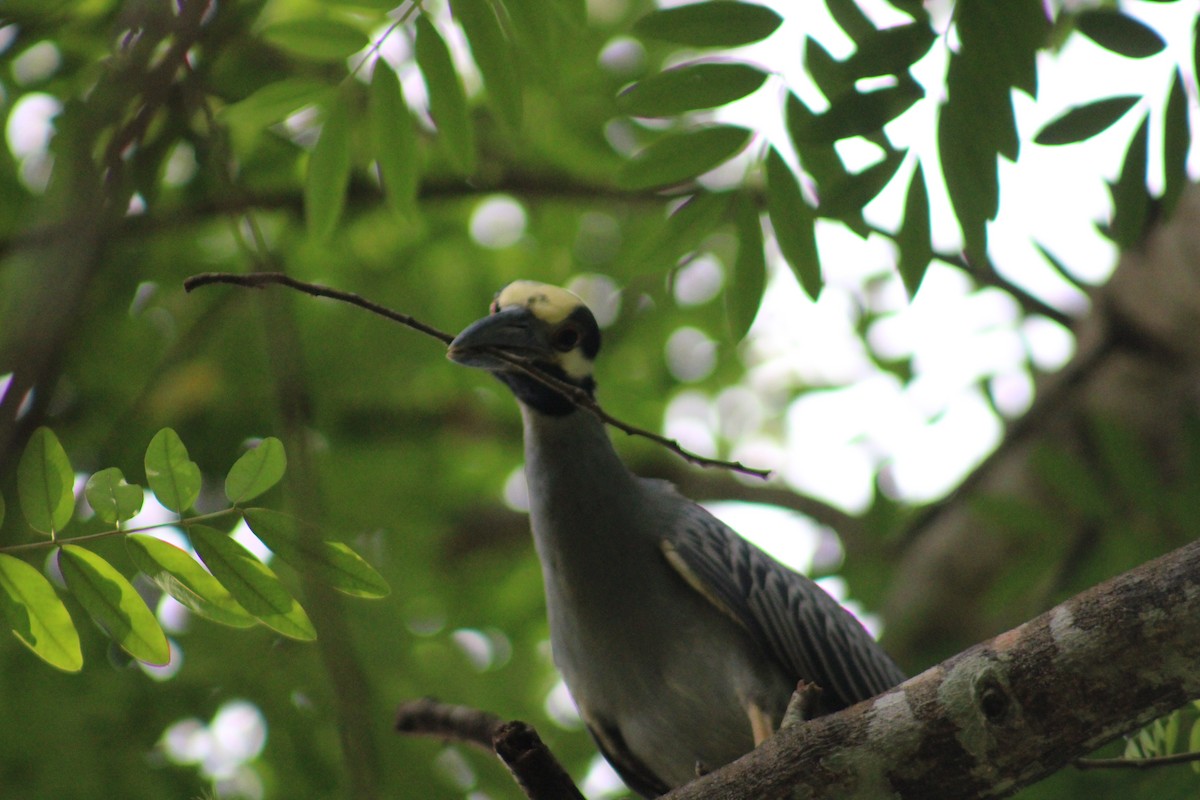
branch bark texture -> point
(1002, 714)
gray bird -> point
(680, 641)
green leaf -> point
(850, 18)
(1130, 198)
(332, 562)
(393, 140)
(251, 582)
(967, 147)
(821, 161)
(830, 75)
(1176, 141)
(182, 577)
(690, 87)
(112, 498)
(1194, 744)
(37, 616)
(1058, 266)
(495, 56)
(891, 51)
(998, 52)
(45, 483)
(259, 468)
(710, 24)
(914, 237)
(174, 479)
(328, 173)
(748, 281)
(316, 39)
(1002, 41)
(793, 222)
(854, 114)
(447, 100)
(545, 33)
(1120, 33)
(114, 604)
(274, 103)
(1196, 47)
(1084, 122)
(1171, 732)
(845, 200)
(688, 225)
(680, 157)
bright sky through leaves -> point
(930, 433)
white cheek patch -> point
(575, 364)
(549, 303)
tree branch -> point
(517, 744)
(572, 392)
(1002, 714)
(531, 763)
(428, 717)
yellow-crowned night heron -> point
(680, 641)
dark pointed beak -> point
(513, 330)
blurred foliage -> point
(268, 136)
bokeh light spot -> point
(498, 222)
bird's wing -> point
(795, 621)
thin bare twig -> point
(584, 400)
(570, 391)
(1136, 763)
(257, 280)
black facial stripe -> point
(541, 397)
(589, 331)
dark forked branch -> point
(517, 744)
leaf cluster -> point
(220, 580)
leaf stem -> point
(15, 548)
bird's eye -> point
(494, 308)
(566, 338)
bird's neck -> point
(582, 497)
(568, 457)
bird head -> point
(549, 328)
